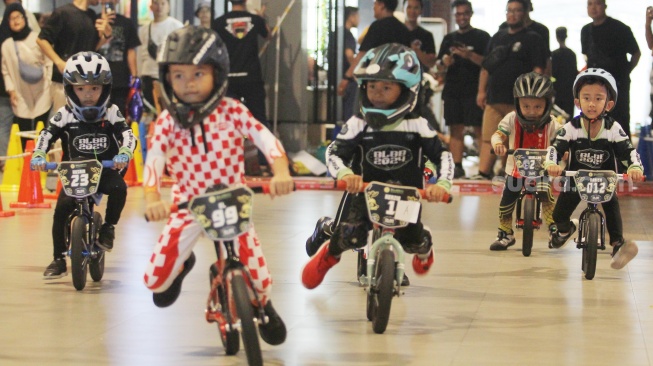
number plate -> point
(224, 214)
(392, 206)
(529, 162)
(596, 186)
(80, 179)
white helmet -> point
(87, 68)
(596, 73)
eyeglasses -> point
(514, 11)
(465, 14)
(16, 17)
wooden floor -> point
(475, 307)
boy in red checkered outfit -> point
(199, 138)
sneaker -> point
(56, 269)
(405, 281)
(479, 177)
(169, 296)
(623, 253)
(558, 241)
(322, 233)
(458, 173)
(422, 262)
(504, 240)
(274, 331)
(107, 234)
(318, 266)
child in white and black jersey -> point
(595, 142)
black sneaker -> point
(322, 233)
(169, 296)
(558, 241)
(107, 234)
(56, 269)
(503, 241)
(405, 281)
(459, 173)
(274, 331)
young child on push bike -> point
(89, 128)
(199, 137)
(392, 142)
(594, 141)
(530, 126)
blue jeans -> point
(6, 119)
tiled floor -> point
(475, 307)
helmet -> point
(389, 62)
(596, 73)
(87, 68)
(192, 45)
(533, 85)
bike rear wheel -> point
(383, 290)
(96, 265)
(78, 264)
(245, 312)
(230, 338)
(590, 248)
(529, 215)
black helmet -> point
(87, 68)
(389, 62)
(192, 45)
(533, 85)
(596, 73)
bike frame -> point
(84, 209)
(529, 190)
(592, 208)
(384, 239)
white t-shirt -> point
(147, 66)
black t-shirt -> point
(462, 75)
(427, 44)
(564, 72)
(124, 37)
(240, 30)
(386, 30)
(526, 54)
(70, 30)
(348, 43)
(541, 30)
(614, 40)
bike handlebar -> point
(342, 186)
(105, 164)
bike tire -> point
(384, 290)
(245, 312)
(592, 244)
(528, 205)
(230, 338)
(96, 265)
(361, 265)
(78, 266)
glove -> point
(38, 161)
(120, 161)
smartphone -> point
(109, 8)
(649, 11)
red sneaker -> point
(422, 266)
(318, 266)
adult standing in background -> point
(352, 19)
(71, 28)
(606, 44)
(29, 90)
(152, 36)
(511, 52)
(538, 28)
(649, 43)
(421, 40)
(120, 52)
(32, 22)
(203, 13)
(240, 30)
(461, 54)
(564, 71)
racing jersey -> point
(394, 154)
(601, 153)
(209, 153)
(81, 140)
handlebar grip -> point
(51, 166)
(107, 163)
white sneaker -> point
(623, 253)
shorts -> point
(492, 115)
(462, 111)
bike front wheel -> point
(96, 265)
(591, 244)
(228, 334)
(245, 312)
(529, 215)
(383, 291)
(78, 264)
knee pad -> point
(350, 235)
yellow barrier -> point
(13, 167)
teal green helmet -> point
(389, 62)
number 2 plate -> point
(529, 162)
(224, 214)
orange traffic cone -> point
(5, 213)
(30, 194)
(130, 177)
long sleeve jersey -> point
(208, 153)
(393, 154)
(520, 138)
(610, 146)
(81, 140)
